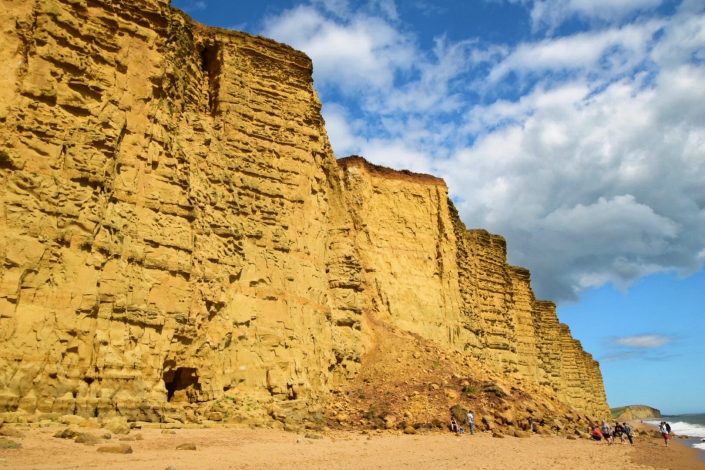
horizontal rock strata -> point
(176, 230)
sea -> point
(691, 425)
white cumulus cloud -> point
(352, 53)
(552, 13)
(643, 341)
(586, 151)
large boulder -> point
(87, 439)
(117, 425)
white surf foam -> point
(681, 427)
(684, 429)
(687, 429)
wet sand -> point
(677, 455)
(224, 448)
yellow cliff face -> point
(406, 245)
(176, 233)
(426, 274)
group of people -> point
(606, 433)
(459, 429)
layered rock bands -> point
(174, 229)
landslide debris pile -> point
(179, 243)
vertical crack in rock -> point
(211, 65)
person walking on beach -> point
(663, 429)
(628, 431)
(607, 432)
(471, 422)
(619, 432)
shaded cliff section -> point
(177, 240)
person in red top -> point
(597, 434)
(665, 431)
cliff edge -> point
(178, 242)
(632, 412)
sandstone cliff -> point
(178, 240)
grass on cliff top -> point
(620, 409)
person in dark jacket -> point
(619, 432)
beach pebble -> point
(71, 420)
(116, 449)
(8, 444)
(186, 446)
(87, 439)
(89, 423)
(215, 416)
(9, 432)
(66, 434)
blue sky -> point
(575, 128)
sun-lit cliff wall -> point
(175, 229)
(165, 212)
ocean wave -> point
(687, 429)
(700, 445)
(682, 428)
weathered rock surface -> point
(178, 242)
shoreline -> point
(678, 455)
(675, 440)
(236, 448)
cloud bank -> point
(586, 150)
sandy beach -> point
(225, 448)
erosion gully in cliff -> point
(178, 242)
